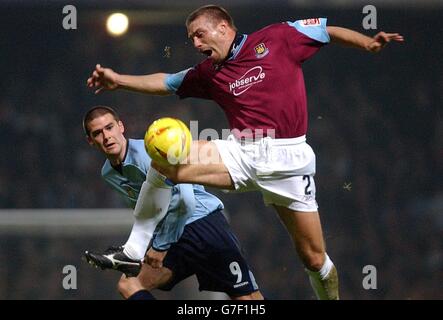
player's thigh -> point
(204, 152)
(304, 228)
(152, 278)
(204, 166)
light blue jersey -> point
(188, 203)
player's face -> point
(107, 135)
(209, 38)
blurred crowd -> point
(375, 124)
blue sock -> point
(142, 295)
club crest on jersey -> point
(261, 50)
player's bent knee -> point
(314, 260)
(151, 278)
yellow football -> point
(168, 141)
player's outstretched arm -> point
(107, 79)
(351, 38)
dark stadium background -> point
(375, 123)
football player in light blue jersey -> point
(193, 237)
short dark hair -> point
(214, 13)
(96, 112)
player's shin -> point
(152, 205)
(325, 281)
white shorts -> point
(281, 169)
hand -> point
(155, 258)
(381, 39)
(127, 286)
(102, 79)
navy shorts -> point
(209, 249)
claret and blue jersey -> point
(260, 86)
(188, 203)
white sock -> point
(152, 205)
(326, 268)
(137, 244)
(316, 278)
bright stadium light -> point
(117, 24)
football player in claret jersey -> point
(192, 238)
(257, 80)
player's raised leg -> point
(203, 166)
(307, 236)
